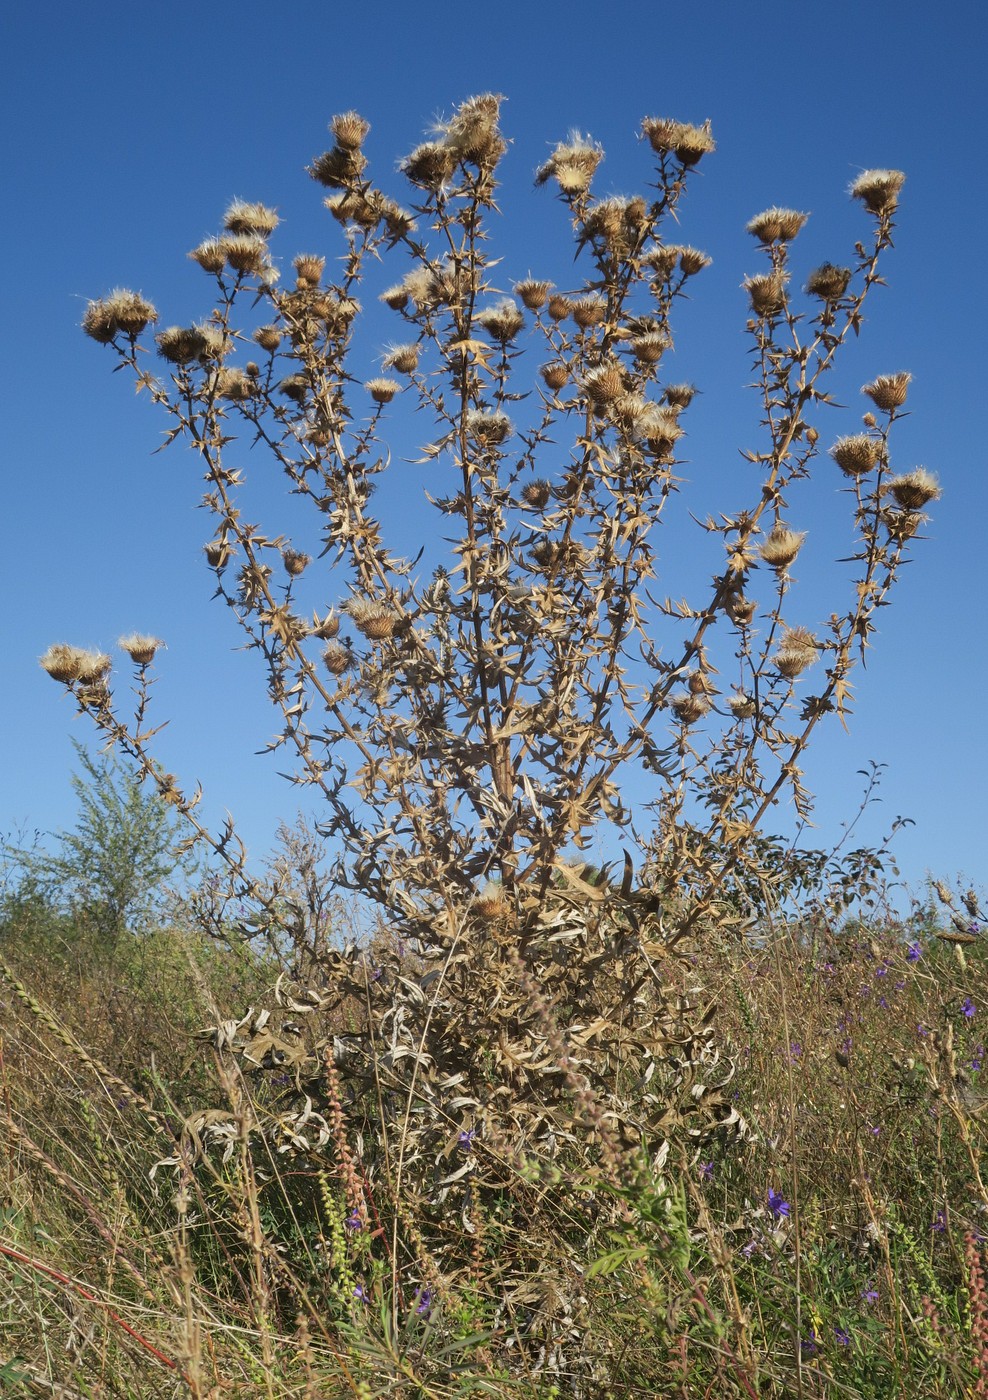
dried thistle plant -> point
(469, 720)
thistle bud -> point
(382, 390)
(559, 307)
(878, 190)
(140, 649)
(309, 269)
(679, 395)
(268, 338)
(604, 384)
(888, 392)
(915, 490)
(782, 546)
(246, 253)
(537, 494)
(857, 454)
(741, 705)
(776, 225)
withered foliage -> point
(470, 719)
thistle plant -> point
(469, 719)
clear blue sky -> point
(129, 127)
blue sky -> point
(130, 127)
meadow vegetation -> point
(536, 1065)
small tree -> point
(112, 867)
(469, 717)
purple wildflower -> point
(968, 1007)
(354, 1220)
(807, 1345)
(914, 952)
(939, 1222)
(706, 1170)
(779, 1207)
(423, 1302)
(360, 1293)
(870, 1295)
(843, 1337)
(466, 1139)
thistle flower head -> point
(533, 294)
(660, 428)
(679, 395)
(250, 219)
(688, 708)
(295, 561)
(857, 454)
(878, 190)
(556, 375)
(403, 358)
(741, 705)
(218, 553)
(472, 132)
(325, 628)
(692, 261)
(488, 429)
(349, 130)
(139, 648)
(572, 165)
(649, 348)
(63, 662)
(491, 903)
(121, 312)
(430, 165)
(502, 321)
(181, 344)
(295, 387)
(382, 390)
(337, 658)
(687, 143)
(589, 310)
(210, 255)
(797, 650)
(604, 384)
(559, 306)
(268, 338)
(767, 291)
(914, 490)
(889, 391)
(309, 269)
(235, 385)
(375, 620)
(339, 168)
(828, 282)
(354, 207)
(776, 225)
(246, 253)
(781, 547)
(536, 494)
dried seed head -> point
(743, 610)
(828, 282)
(689, 708)
(403, 358)
(93, 667)
(180, 344)
(295, 387)
(374, 620)
(572, 165)
(472, 133)
(630, 411)
(559, 307)
(250, 219)
(797, 650)
(337, 658)
(767, 291)
(648, 349)
(878, 190)
(660, 429)
(700, 683)
(556, 375)
(430, 165)
(246, 253)
(382, 390)
(423, 286)
(537, 494)
(888, 392)
(692, 261)
(396, 297)
(325, 628)
(915, 490)
(663, 260)
(589, 310)
(742, 706)
(776, 225)
(687, 143)
(617, 222)
(354, 207)
(604, 384)
(268, 338)
(218, 554)
(62, 662)
(857, 454)
(533, 294)
(210, 255)
(309, 269)
(502, 321)
(349, 130)
(679, 395)
(339, 168)
(235, 385)
(139, 648)
(491, 904)
(122, 311)
(782, 546)
(295, 562)
(902, 525)
(488, 429)
(398, 221)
